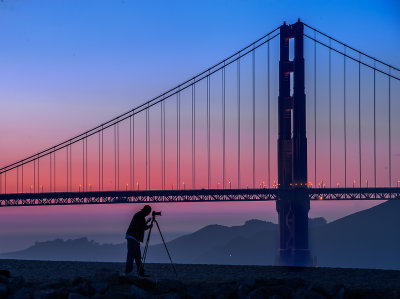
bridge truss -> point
(200, 195)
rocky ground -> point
(44, 279)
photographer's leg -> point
(130, 256)
(138, 257)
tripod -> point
(153, 220)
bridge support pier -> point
(294, 204)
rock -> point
(50, 294)
(5, 273)
(250, 283)
(243, 291)
(145, 283)
(76, 296)
(3, 290)
(197, 291)
(79, 280)
(113, 294)
(226, 290)
(168, 285)
(107, 275)
(139, 293)
(259, 293)
(99, 287)
(170, 296)
(16, 283)
(22, 293)
(84, 288)
(339, 294)
(3, 279)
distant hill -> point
(70, 250)
(367, 239)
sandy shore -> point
(386, 281)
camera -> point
(154, 214)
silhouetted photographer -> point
(134, 236)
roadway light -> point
(354, 182)
(366, 181)
(41, 186)
(218, 185)
(137, 184)
(126, 187)
(230, 185)
(183, 185)
(80, 187)
(90, 187)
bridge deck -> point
(199, 195)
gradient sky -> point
(70, 65)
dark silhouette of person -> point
(134, 236)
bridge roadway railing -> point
(198, 195)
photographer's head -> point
(146, 210)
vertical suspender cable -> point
(374, 123)
(344, 118)
(208, 131)
(148, 119)
(238, 98)
(38, 174)
(147, 123)
(359, 118)
(118, 185)
(390, 134)
(22, 179)
(164, 144)
(51, 174)
(330, 114)
(269, 121)
(254, 115)
(102, 158)
(86, 159)
(0, 184)
(70, 167)
(67, 169)
(315, 108)
(99, 159)
(177, 141)
(130, 153)
(83, 165)
(18, 178)
(54, 177)
(193, 135)
(133, 152)
(34, 174)
(115, 158)
(223, 127)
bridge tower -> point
(294, 204)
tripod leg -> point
(165, 245)
(145, 250)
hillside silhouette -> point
(366, 239)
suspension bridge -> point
(238, 132)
